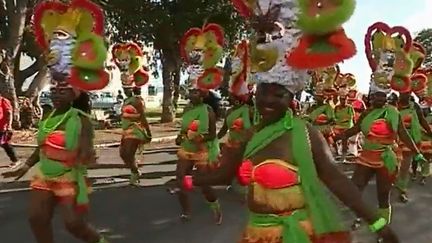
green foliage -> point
(424, 37)
(162, 23)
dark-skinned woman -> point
(382, 126)
(199, 146)
(415, 123)
(321, 114)
(240, 116)
(286, 160)
(129, 58)
(76, 59)
(344, 119)
(283, 149)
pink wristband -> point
(188, 183)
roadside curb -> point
(103, 145)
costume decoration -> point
(426, 95)
(71, 36)
(388, 57)
(240, 86)
(129, 58)
(324, 81)
(324, 41)
(202, 49)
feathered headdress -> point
(71, 35)
(239, 83)
(324, 41)
(282, 52)
(387, 51)
(202, 49)
(129, 58)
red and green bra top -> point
(322, 115)
(411, 121)
(196, 119)
(320, 209)
(344, 116)
(237, 121)
(58, 140)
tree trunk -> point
(167, 101)
(176, 83)
(170, 71)
(16, 13)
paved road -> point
(149, 215)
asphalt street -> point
(150, 215)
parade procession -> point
(294, 121)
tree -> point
(162, 24)
(424, 37)
(16, 40)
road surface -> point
(150, 215)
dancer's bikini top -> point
(54, 148)
(271, 174)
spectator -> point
(120, 96)
(6, 129)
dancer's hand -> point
(388, 236)
(18, 173)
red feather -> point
(216, 81)
(242, 8)
(217, 30)
(300, 58)
(76, 81)
(135, 47)
(114, 51)
(37, 20)
(96, 11)
(405, 88)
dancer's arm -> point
(86, 151)
(211, 127)
(224, 129)
(339, 184)
(422, 119)
(144, 122)
(230, 160)
(406, 138)
(24, 168)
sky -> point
(412, 14)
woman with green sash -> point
(240, 116)
(284, 165)
(130, 59)
(60, 167)
(426, 149)
(321, 115)
(285, 162)
(76, 54)
(344, 119)
(415, 123)
(135, 130)
(383, 127)
(199, 146)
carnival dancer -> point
(321, 115)
(412, 117)
(201, 48)
(65, 138)
(344, 119)
(241, 115)
(129, 58)
(381, 123)
(426, 149)
(285, 158)
(354, 99)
